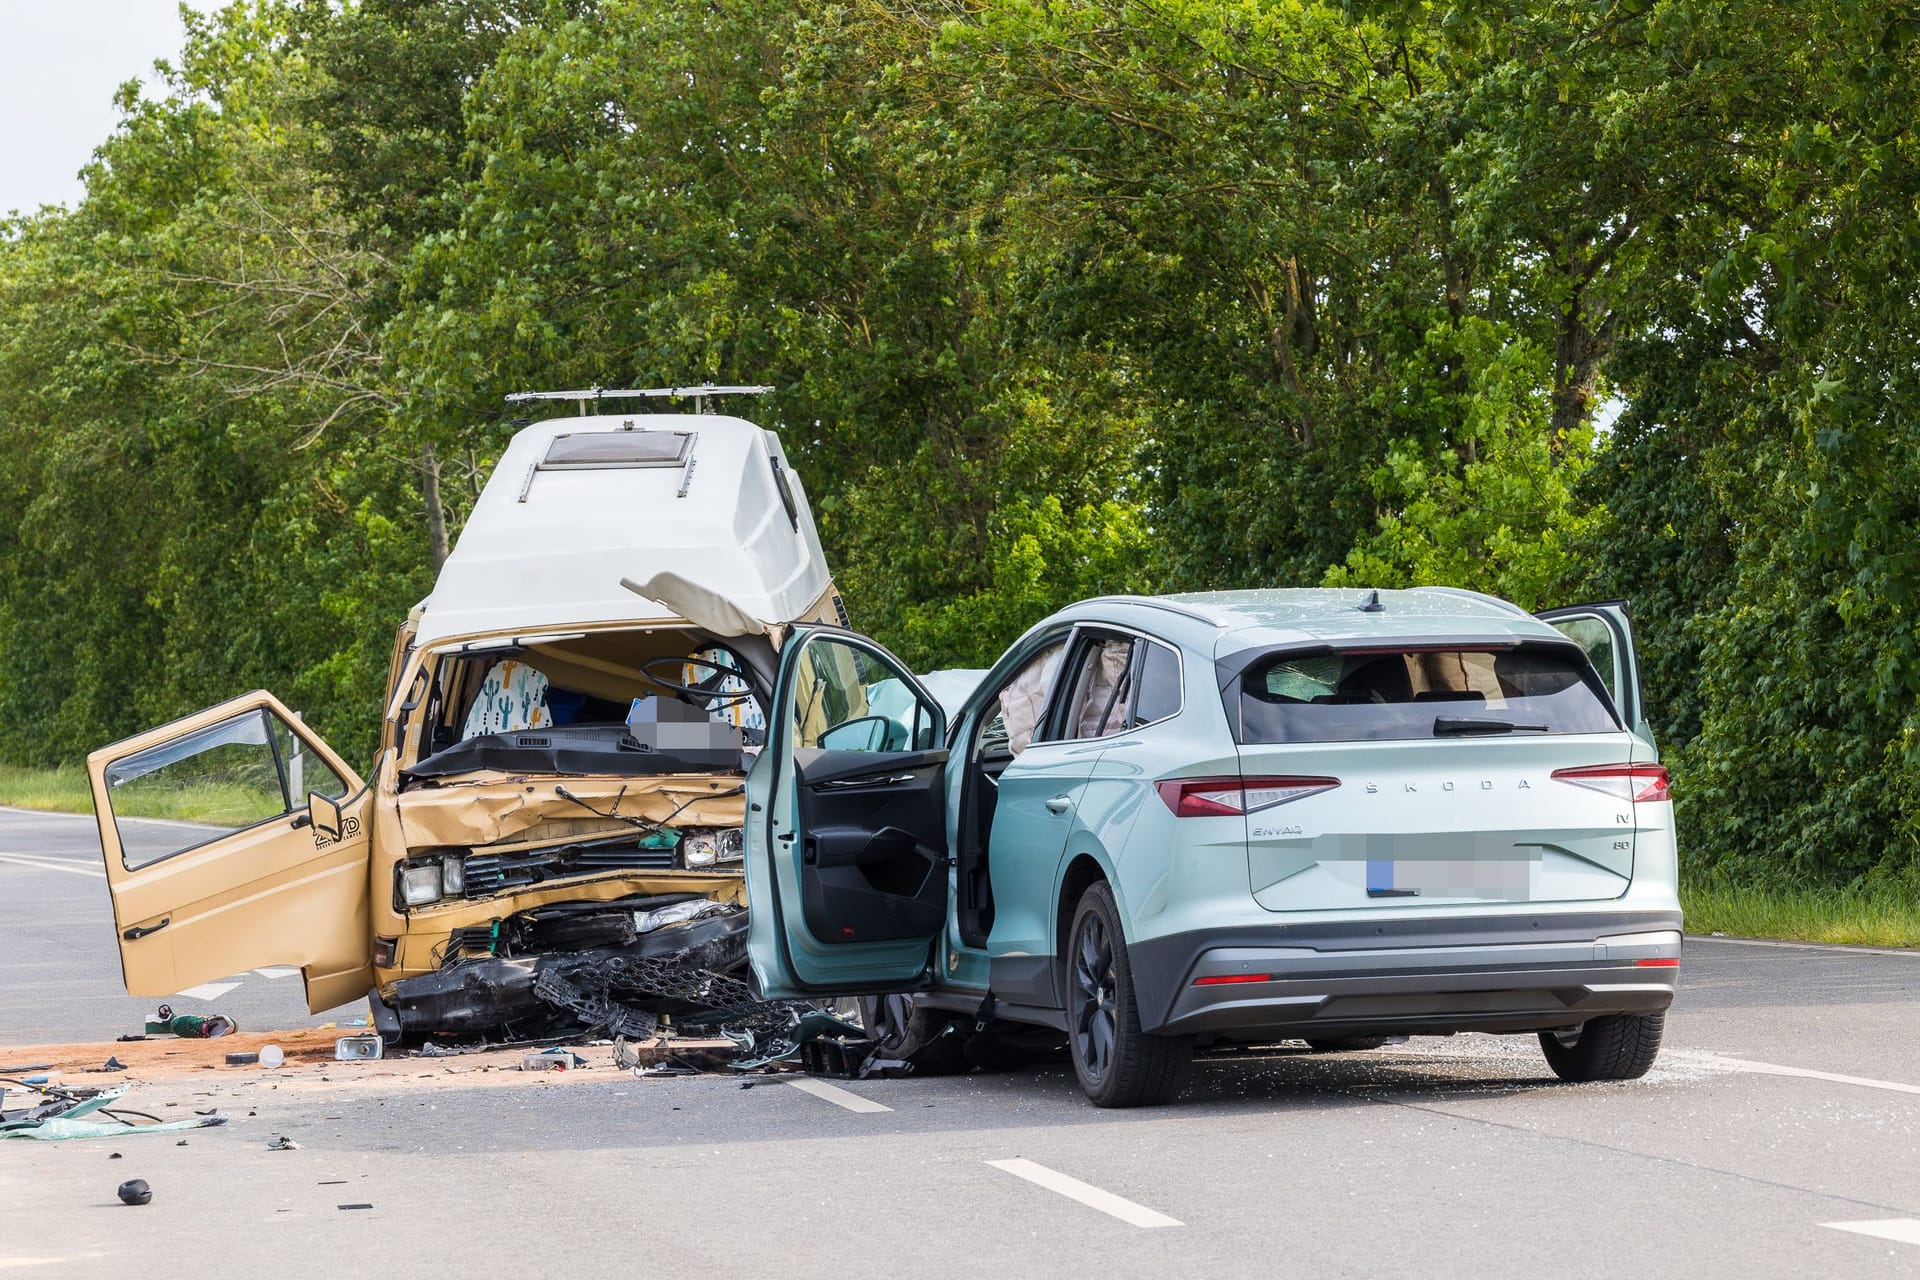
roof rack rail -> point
(594, 395)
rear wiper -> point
(1445, 725)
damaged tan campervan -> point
(551, 831)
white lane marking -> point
(1905, 1230)
(276, 972)
(1845, 948)
(1805, 1073)
(206, 991)
(53, 864)
(1134, 1215)
(838, 1097)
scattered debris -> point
(359, 1048)
(135, 1191)
(60, 1114)
(242, 1059)
(189, 1026)
(127, 1039)
(111, 1064)
(114, 1156)
(554, 1059)
(272, 1057)
(356, 1206)
(283, 1144)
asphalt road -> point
(1779, 1135)
(60, 961)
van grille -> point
(491, 873)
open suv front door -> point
(235, 839)
(847, 864)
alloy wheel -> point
(1094, 1010)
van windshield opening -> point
(623, 703)
(1421, 693)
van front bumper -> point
(1407, 977)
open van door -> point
(235, 839)
(1606, 632)
(847, 864)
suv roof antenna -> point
(1372, 603)
(595, 395)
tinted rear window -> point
(1420, 693)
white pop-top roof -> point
(546, 548)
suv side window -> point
(1019, 705)
(1100, 689)
(1159, 680)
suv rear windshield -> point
(1420, 693)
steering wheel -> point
(706, 690)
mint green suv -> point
(1238, 817)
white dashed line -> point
(838, 1097)
(1905, 1230)
(1774, 1069)
(207, 991)
(53, 864)
(1134, 1215)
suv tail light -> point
(1231, 797)
(1638, 783)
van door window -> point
(209, 784)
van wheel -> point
(1621, 1046)
(1117, 1063)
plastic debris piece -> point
(359, 1048)
(356, 1206)
(554, 1059)
(111, 1064)
(242, 1059)
(135, 1191)
(114, 1156)
(272, 1057)
(283, 1144)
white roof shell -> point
(546, 550)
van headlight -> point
(420, 884)
(705, 848)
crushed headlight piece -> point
(704, 848)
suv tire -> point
(1117, 1063)
(1620, 1046)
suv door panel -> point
(846, 857)
(1605, 631)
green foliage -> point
(1059, 300)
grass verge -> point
(1879, 917)
(64, 790)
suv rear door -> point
(847, 838)
(235, 839)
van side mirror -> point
(324, 813)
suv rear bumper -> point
(1407, 977)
